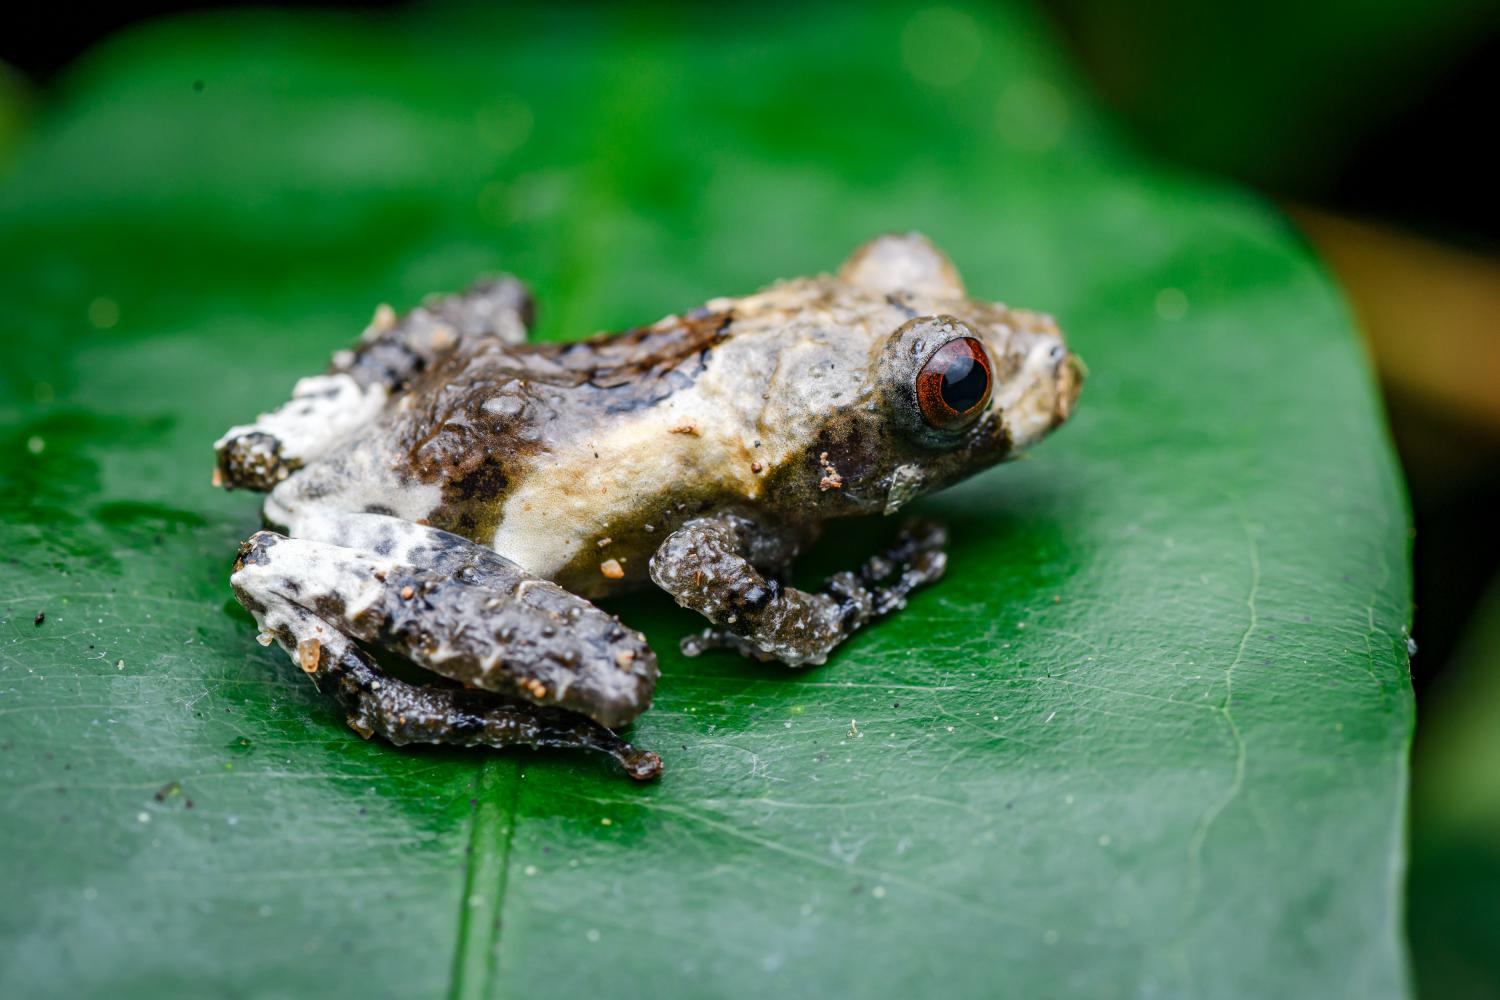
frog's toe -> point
(704, 640)
(256, 550)
(916, 558)
(642, 765)
(251, 459)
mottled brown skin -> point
(482, 408)
(444, 471)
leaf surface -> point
(1147, 738)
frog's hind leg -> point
(460, 610)
(376, 703)
(391, 352)
(542, 667)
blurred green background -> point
(1369, 122)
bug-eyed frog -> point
(451, 494)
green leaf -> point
(1147, 738)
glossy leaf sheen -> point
(1147, 738)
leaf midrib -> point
(477, 952)
(487, 870)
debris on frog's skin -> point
(383, 321)
(448, 490)
(307, 654)
(831, 479)
(41, 616)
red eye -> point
(954, 385)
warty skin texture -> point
(701, 453)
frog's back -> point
(450, 447)
(574, 459)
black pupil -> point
(964, 382)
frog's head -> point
(958, 384)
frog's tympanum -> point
(451, 494)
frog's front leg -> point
(705, 565)
(542, 666)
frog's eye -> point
(954, 385)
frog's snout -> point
(1069, 372)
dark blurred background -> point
(1370, 122)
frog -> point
(454, 497)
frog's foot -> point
(704, 565)
(549, 668)
(322, 410)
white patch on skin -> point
(354, 481)
(323, 409)
(320, 570)
(571, 497)
(391, 538)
